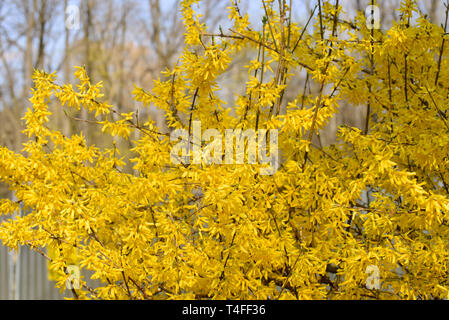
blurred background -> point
(122, 43)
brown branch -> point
(440, 58)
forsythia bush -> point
(377, 199)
